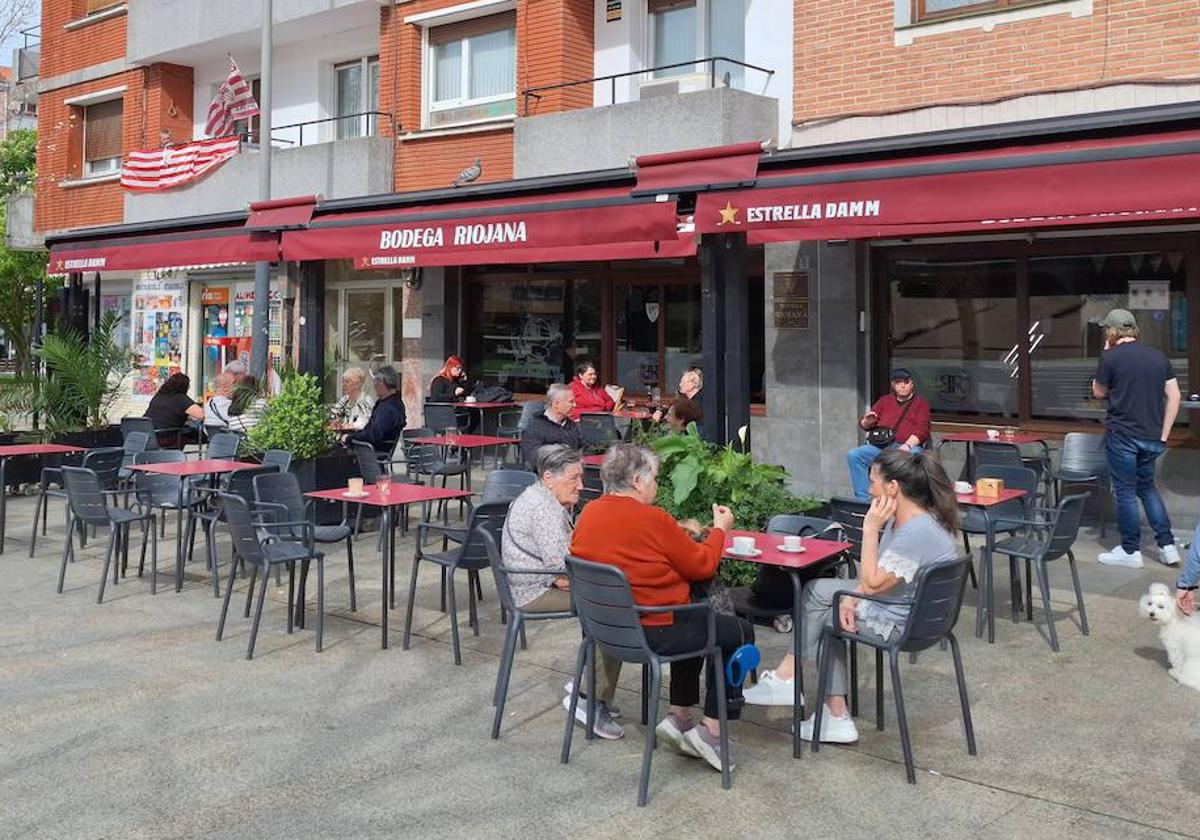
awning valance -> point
(698, 169)
(173, 249)
(531, 229)
(1147, 178)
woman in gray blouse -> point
(912, 492)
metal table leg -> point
(798, 676)
(3, 501)
(385, 522)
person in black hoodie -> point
(450, 384)
(387, 417)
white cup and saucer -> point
(743, 547)
(354, 489)
(993, 434)
(469, 399)
(792, 544)
(963, 488)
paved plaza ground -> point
(128, 720)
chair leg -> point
(149, 536)
(648, 746)
(472, 612)
(412, 592)
(478, 588)
(646, 695)
(291, 604)
(67, 556)
(718, 666)
(210, 554)
(320, 603)
(228, 596)
(968, 726)
(453, 617)
(250, 591)
(500, 694)
(853, 679)
(1044, 585)
(580, 659)
(350, 573)
(902, 719)
(262, 596)
(1083, 623)
(971, 573)
(37, 513)
(443, 603)
(524, 641)
(824, 661)
(108, 556)
(879, 689)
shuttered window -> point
(102, 137)
(473, 69)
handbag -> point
(884, 436)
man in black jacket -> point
(554, 425)
(387, 417)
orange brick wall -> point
(434, 162)
(66, 50)
(846, 60)
(558, 41)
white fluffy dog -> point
(1180, 634)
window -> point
(473, 70)
(91, 7)
(686, 30)
(102, 138)
(934, 9)
(357, 90)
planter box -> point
(29, 470)
(326, 473)
(91, 438)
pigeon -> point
(469, 174)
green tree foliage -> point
(297, 419)
(20, 271)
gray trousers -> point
(608, 669)
(816, 613)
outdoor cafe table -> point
(987, 591)
(816, 551)
(398, 495)
(974, 436)
(484, 407)
(466, 443)
(17, 450)
(593, 460)
(183, 470)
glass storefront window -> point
(1068, 296)
(682, 333)
(638, 309)
(366, 315)
(952, 326)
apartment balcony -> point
(664, 109)
(335, 169)
(188, 32)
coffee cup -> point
(791, 542)
(469, 399)
(383, 484)
(355, 486)
(743, 545)
(993, 434)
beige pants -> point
(608, 670)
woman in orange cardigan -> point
(661, 560)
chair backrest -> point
(799, 525)
(485, 517)
(440, 416)
(106, 464)
(849, 513)
(223, 445)
(503, 589)
(140, 424)
(505, 485)
(606, 609)
(153, 488)
(281, 488)
(1083, 452)
(1066, 526)
(367, 460)
(84, 496)
(529, 410)
(240, 524)
(996, 454)
(598, 429)
(241, 482)
(1014, 478)
(280, 459)
(133, 444)
(936, 603)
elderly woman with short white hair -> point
(353, 408)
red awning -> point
(698, 169)
(281, 213)
(177, 249)
(508, 230)
(1148, 178)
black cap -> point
(900, 374)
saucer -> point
(755, 552)
(360, 495)
(798, 550)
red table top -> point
(486, 404)
(37, 449)
(463, 441)
(975, 500)
(205, 466)
(815, 550)
(634, 413)
(980, 436)
(398, 494)
(593, 460)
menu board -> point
(157, 339)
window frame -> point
(703, 36)
(85, 166)
(368, 125)
(979, 7)
(431, 106)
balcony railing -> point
(726, 77)
(348, 127)
(28, 56)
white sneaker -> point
(1120, 557)
(1168, 555)
(771, 690)
(834, 730)
(613, 711)
(672, 730)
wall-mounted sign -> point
(790, 300)
(612, 10)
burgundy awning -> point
(500, 230)
(176, 249)
(698, 169)
(1147, 178)
(281, 213)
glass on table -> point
(384, 484)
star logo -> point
(728, 215)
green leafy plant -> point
(696, 474)
(84, 378)
(20, 271)
(296, 419)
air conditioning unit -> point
(673, 85)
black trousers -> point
(689, 632)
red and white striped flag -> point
(163, 169)
(234, 101)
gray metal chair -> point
(471, 556)
(612, 622)
(933, 612)
(134, 444)
(223, 445)
(1083, 462)
(280, 459)
(516, 623)
(598, 431)
(1048, 537)
(256, 547)
(207, 512)
(510, 424)
(105, 463)
(442, 416)
(140, 424)
(86, 506)
(166, 493)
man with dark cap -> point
(900, 410)
(1143, 400)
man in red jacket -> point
(901, 410)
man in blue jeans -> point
(1143, 400)
(900, 409)
(1189, 577)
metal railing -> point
(712, 61)
(366, 125)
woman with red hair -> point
(450, 384)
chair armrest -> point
(305, 529)
(514, 570)
(878, 599)
(697, 606)
(444, 530)
(1023, 523)
(269, 507)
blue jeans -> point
(1131, 470)
(859, 459)
(1190, 574)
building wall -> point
(851, 59)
